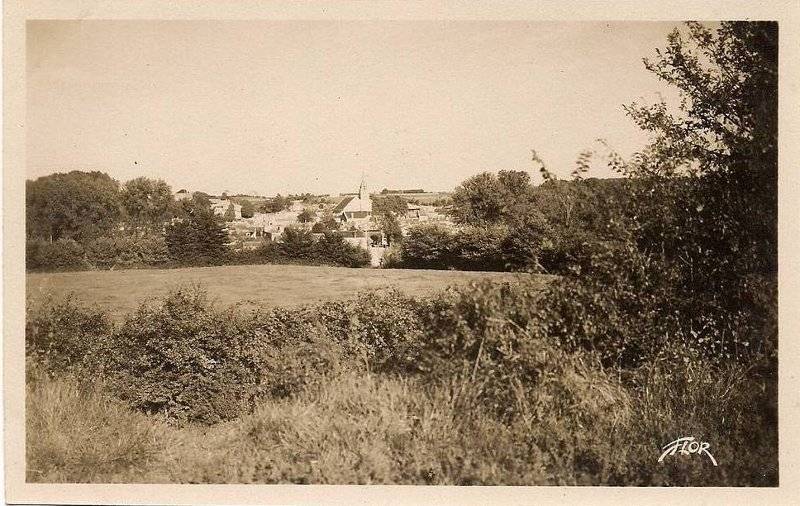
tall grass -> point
(76, 432)
(370, 429)
(461, 389)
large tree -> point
(147, 203)
(198, 236)
(714, 155)
(76, 205)
(487, 198)
(478, 200)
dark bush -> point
(178, 357)
(332, 249)
(127, 251)
(297, 244)
(63, 335)
(381, 330)
(197, 237)
(63, 254)
(427, 247)
(103, 252)
(301, 247)
(470, 248)
(478, 249)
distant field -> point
(120, 292)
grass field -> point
(120, 292)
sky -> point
(265, 107)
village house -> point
(220, 206)
(182, 194)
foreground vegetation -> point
(461, 388)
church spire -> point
(362, 188)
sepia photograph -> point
(401, 252)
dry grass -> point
(369, 429)
(121, 292)
(356, 429)
(76, 433)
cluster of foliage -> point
(487, 349)
(105, 252)
(300, 246)
(276, 204)
(147, 203)
(691, 266)
(77, 205)
(389, 204)
(230, 213)
(326, 224)
(433, 246)
(85, 205)
(487, 199)
(307, 215)
(552, 228)
(197, 236)
(248, 208)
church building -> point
(355, 209)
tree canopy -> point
(393, 204)
(76, 205)
(248, 209)
(147, 202)
(486, 198)
(721, 140)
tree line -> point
(87, 220)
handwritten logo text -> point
(687, 446)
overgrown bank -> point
(468, 387)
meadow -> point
(120, 292)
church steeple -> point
(362, 188)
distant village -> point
(350, 215)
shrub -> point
(63, 335)
(63, 254)
(332, 249)
(307, 215)
(427, 247)
(392, 257)
(198, 236)
(151, 249)
(230, 213)
(297, 244)
(127, 251)
(300, 247)
(478, 249)
(484, 339)
(178, 357)
(248, 208)
(378, 329)
(103, 252)
(630, 308)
